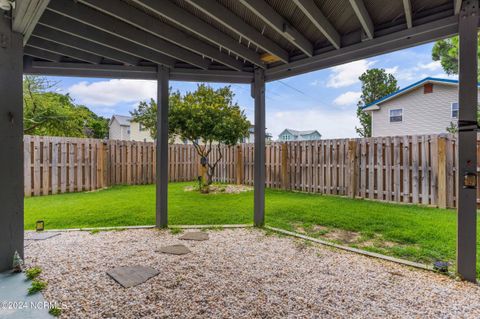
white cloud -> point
(392, 70)
(340, 124)
(432, 66)
(347, 74)
(347, 98)
(446, 76)
(418, 72)
(112, 92)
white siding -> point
(118, 132)
(137, 135)
(422, 113)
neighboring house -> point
(251, 136)
(294, 135)
(122, 128)
(428, 106)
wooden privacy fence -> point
(408, 169)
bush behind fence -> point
(408, 169)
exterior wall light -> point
(470, 180)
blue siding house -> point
(294, 135)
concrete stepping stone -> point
(175, 250)
(132, 276)
(40, 235)
(195, 235)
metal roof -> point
(123, 120)
(410, 87)
(220, 40)
(300, 133)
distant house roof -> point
(370, 107)
(300, 133)
(122, 119)
(251, 130)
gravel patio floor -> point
(240, 273)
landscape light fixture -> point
(39, 225)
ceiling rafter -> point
(457, 6)
(364, 17)
(190, 22)
(47, 33)
(419, 34)
(407, 5)
(42, 54)
(64, 24)
(109, 24)
(313, 13)
(269, 16)
(134, 72)
(26, 14)
(158, 28)
(63, 50)
(230, 20)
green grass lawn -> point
(413, 232)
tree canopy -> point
(207, 117)
(446, 51)
(50, 113)
(376, 83)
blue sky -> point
(323, 100)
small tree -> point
(376, 83)
(207, 117)
(47, 112)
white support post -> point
(467, 142)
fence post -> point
(239, 165)
(106, 164)
(352, 171)
(284, 166)
(442, 172)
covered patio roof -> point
(233, 41)
(223, 41)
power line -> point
(297, 90)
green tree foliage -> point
(49, 113)
(376, 83)
(446, 51)
(207, 117)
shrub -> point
(36, 286)
(55, 311)
(33, 272)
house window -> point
(141, 127)
(396, 115)
(455, 110)
(286, 137)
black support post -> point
(258, 90)
(162, 148)
(467, 142)
(11, 143)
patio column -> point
(467, 142)
(162, 148)
(11, 143)
(258, 93)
